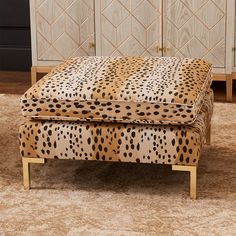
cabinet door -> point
(15, 46)
(130, 27)
(64, 29)
(196, 29)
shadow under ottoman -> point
(167, 143)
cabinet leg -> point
(26, 169)
(208, 136)
(193, 178)
(33, 75)
(229, 88)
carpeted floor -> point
(90, 198)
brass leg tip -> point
(26, 188)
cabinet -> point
(15, 46)
(130, 27)
(181, 28)
(60, 29)
(201, 29)
(196, 29)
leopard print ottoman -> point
(127, 109)
(124, 89)
(145, 143)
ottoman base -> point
(176, 145)
(26, 161)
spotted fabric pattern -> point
(153, 90)
(145, 143)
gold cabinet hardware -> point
(166, 49)
(158, 49)
(163, 50)
(91, 45)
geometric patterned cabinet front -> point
(196, 28)
(130, 27)
(63, 29)
(183, 28)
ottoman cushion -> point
(146, 143)
(122, 89)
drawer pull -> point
(163, 50)
(91, 45)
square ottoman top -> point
(121, 89)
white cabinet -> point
(181, 28)
(61, 29)
(130, 27)
(196, 29)
(184, 28)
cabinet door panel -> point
(130, 27)
(196, 29)
(64, 29)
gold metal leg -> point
(33, 75)
(229, 88)
(208, 136)
(193, 178)
(26, 169)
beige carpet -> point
(89, 198)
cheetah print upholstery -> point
(145, 143)
(121, 89)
